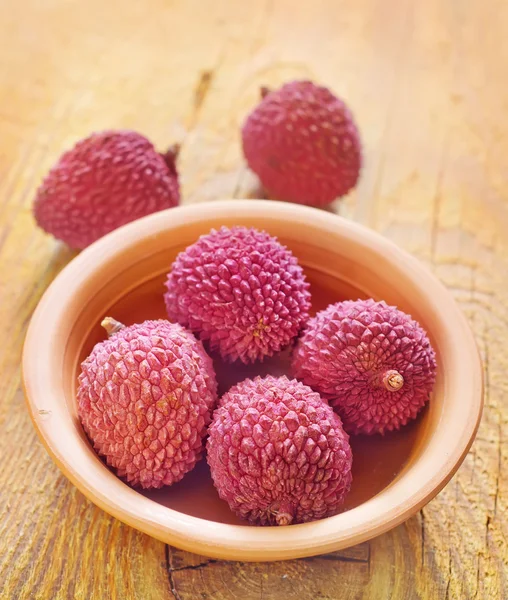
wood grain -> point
(427, 84)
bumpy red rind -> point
(241, 290)
(372, 362)
(145, 398)
(103, 182)
(303, 144)
(278, 454)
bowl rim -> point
(239, 542)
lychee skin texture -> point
(373, 363)
(145, 398)
(278, 453)
(303, 144)
(240, 289)
(103, 182)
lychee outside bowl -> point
(122, 275)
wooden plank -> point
(425, 80)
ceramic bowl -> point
(122, 275)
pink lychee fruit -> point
(145, 398)
(278, 453)
(303, 144)
(241, 290)
(372, 362)
(103, 182)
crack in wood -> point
(422, 525)
(195, 567)
(169, 569)
(335, 558)
(477, 578)
(447, 593)
(202, 89)
(486, 367)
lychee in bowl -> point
(122, 275)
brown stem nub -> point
(170, 157)
(393, 380)
(172, 152)
(264, 91)
(111, 325)
(284, 514)
(283, 518)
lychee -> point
(372, 362)
(145, 398)
(277, 452)
(240, 289)
(104, 181)
(303, 144)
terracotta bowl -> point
(122, 275)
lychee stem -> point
(170, 157)
(172, 152)
(284, 514)
(111, 325)
(283, 519)
(264, 91)
(393, 380)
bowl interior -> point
(137, 293)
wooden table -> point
(427, 81)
